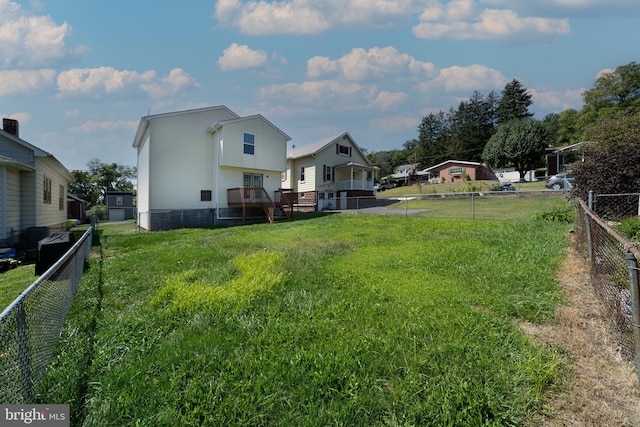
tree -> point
(613, 92)
(472, 126)
(519, 143)
(514, 103)
(569, 131)
(92, 185)
(434, 132)
(612, 157)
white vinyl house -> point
(33, 190)
(332, 173)
(199, 167)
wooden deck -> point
(257, 197)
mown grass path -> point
(335, 320)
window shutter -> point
(350, 151)
(337, 148)
(324, 173)
(333, 174)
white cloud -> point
(108, 80)
(238, 57)
(258, 17)
(339, 96)
(98, 80)
(361, 64)
(105, 126)
(462, 19)
(20, 116)
(25, 82)
(177, 80)
(28, 40)
(469, 78)
(557, 100)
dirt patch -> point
(602, 388)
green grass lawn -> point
(335, 320)
(454, 187)
(14, 282)
(507, 207)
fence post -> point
(23, 352)
(587, 225)
(635, 304)
(473, 207)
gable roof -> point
(218, 125)
(145, 120)
(458, 162)
(316, 147)
(37, 152)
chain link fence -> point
(490, 205)
(30, 326)
(613, 260)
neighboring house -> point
(77, 208)
(120, 205)
(33, 187)
(456, 170)
(199, 167)
(403, 175)
(332, 173)
(560, 159)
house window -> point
(328, 173)
(205, 195)
(119, 201)
(456, 171)
(46, 193)
(302, 174)
(344, 150)
(61, 198)
(249, 145)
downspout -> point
(217, 183)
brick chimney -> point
(11, 126)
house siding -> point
(182, 160)
(50, 214)
(143, 181)
(270, 146)
(12, 199)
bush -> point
(561, 213)
(630, 227)
(100, 211)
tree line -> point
(501, 131)
(93, 184)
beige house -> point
(332, 173)
(204, 166)
(33, 190)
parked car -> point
(385, 186)
(558, 182)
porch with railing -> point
(257, 197)
(355, 184)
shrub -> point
(561, 213)
(630, 227)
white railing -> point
(355, 185)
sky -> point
(79, 74)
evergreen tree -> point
(514, 103)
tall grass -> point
(336, 320)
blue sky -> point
(79, 74)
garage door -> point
(116, 214)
